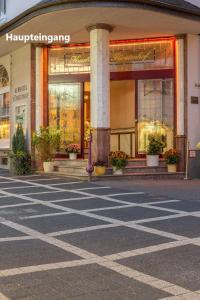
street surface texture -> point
(63, 238)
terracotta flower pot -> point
(172, 168)
(99, 170)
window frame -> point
(5, 143)
(2, 9)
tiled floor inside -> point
(62, 238)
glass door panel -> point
(65, 111)
(155, 111)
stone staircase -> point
(136, 169)
(74, 168)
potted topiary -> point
(154, 149)
(99, 168)
(73, 150)
(118, 160)
(172, 159)
(46, 141)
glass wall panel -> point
(155, 111)
(134, 56)
(141, 56)
(5, 116)
(69, 60)
(65, 111)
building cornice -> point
(44, 7)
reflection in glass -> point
(5, 116)
(155, 111)
(124, 56)
(65, 111)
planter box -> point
(152, 160)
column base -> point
(101, 144)
(181, 148)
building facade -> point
(131, 68)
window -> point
(2, 9)
(133, 56)
(4, 116)
(4, 104)
(155, 111)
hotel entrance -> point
(142, 97)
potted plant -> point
(99, 168)
(172, 159)
(73, 150)
(154, 149)
(46, 141)
(118, 160)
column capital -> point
(180, 36)
(100, 26)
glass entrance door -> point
(65, 112)
(155, 111)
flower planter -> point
(171, 168)
(48, 166)
(72, 155)
(99, 170)
(117, 171)
(152, 160)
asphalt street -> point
(63, 238)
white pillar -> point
(100, 90)
(180, 88)
(193, 89)
(180, 101)
(39, 88)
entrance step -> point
(142, 162)
(144, 169)
(69, 167)
(135, 169)
(142, 176)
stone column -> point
(181, 105)
(100, 90)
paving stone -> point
(75, 186)
(179, 265)
(4, 179)
(62, 222)
(143, 198)
(12, 184)
(88, 204)
(31, 252)
(132, 213)
(186, 226)
(106, 191)
(113, 240)
(6, 231)
(58, 180)
(87, 282)
(33, 177)
(27, 190)
(188, 206)
(55, 196)
(11, 201)
(14, 213)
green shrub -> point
(118, 159)
(156, 144)
(20, 158)
(46, 141)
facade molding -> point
(189, 12)
(100, 26)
